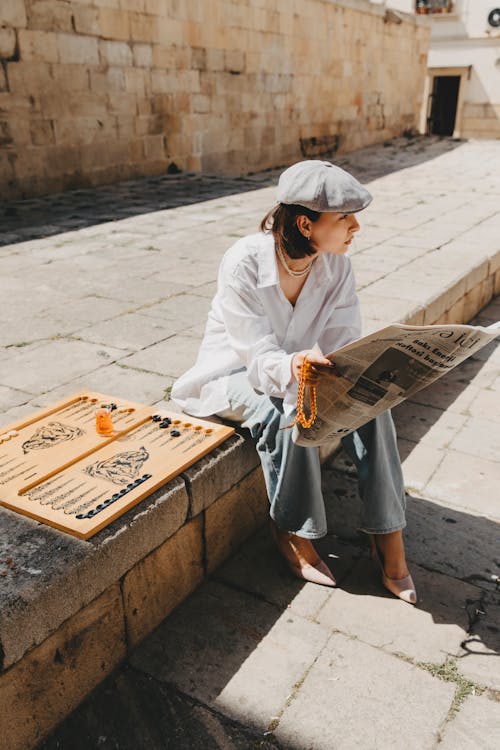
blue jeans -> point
(292, 472)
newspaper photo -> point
(379, 371)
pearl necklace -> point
(287, 268)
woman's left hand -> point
(318, 362)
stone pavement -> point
(254, 657)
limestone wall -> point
(480, 120)
(95, 91)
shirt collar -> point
(268, 268)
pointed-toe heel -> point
(319, 573)
(404, 588)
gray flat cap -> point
(322, 186)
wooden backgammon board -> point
(56, 468)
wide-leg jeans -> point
(292, 472)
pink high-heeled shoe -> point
(404, 587)
(319, 573)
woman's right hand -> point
(315, 358)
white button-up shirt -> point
(252, 325)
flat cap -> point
(322, 186)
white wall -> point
(459, 40)
(469, 41)
(474, 15)
(471, 17)
(484, 84)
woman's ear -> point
(303, 225)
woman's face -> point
(331, 233)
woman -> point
(286, 293)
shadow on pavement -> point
(35, 218)
(221, 665)
(133, 711)
(439, 538)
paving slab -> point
(476, 727)
(12, 397)
(428, 425)
(484, 404)
(171, 357)
(356, 696)
(183, 310)
(479, 437)
(87, 310)
(431, 632)
(456, 542)
(131, 332)
(450, 395)
(234, 653)
(136, 385)
(437, 537)
(466, 483)
(132, 710)
(421, 462)
(478, 657)
(57, 362)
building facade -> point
(96, 91)
(462, 91)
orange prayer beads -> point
(301, 416)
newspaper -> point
(380, 370)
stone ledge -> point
(467, 283)
(58, 574)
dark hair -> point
(282, 220)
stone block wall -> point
(480, 120)
(96, 91)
